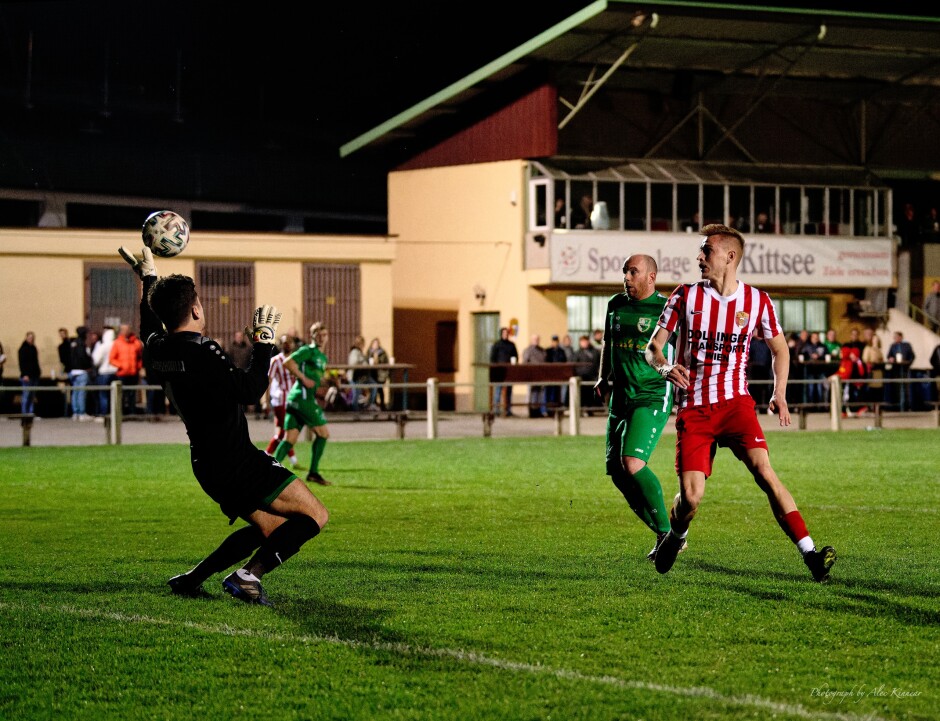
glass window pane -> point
(562, 204)
(687, 210)
(765, 208)
(635, 206)
(661, 202)
(713, 204)
(817, 315)
(740, 201)
(790, 206)
(609, 193)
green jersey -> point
(312, 363)
(627, 331)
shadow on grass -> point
(866, 598)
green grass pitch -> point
(477, 579)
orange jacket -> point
(127, 355)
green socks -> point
(283, 448)
(655, 514)
(316, 453)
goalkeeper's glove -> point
(264, 324)
(143, 265)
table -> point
(390, 367)
(531, 373)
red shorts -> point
(701, 429)
(279, 416)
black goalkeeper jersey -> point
(205, 388)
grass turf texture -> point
(476, 579)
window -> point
(796, 314)
(586, 314)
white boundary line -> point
(468, 657)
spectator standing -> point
(932, 306)
(873, 357)
(80, 365)
(900, 356)
(814, 355)
(240, 354)
(588, 361)
(597, 338)
(279, 384)
(240, 351)
(833, 346)
(357, 377)
(502, 351)
(3, 361)
(581, 217)
(28, 357)
(762, 224)
(570, 352)
(127, 356)
(101, 357)
(760, 368)
(307, 364)
(638, 398)
(854, 342)
(378, 357)
(715, 406)
(554, 354)
(561, 214)
(930, 228)
(935, 370)
(535, 353)
(65, 351)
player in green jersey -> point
(639, 399)
(307, 364)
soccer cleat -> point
(314, 477)
(247, 591)
(820, 562)
(666, 552)
(651, 556)
(182, 585)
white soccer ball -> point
(166, 233)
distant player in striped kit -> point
(713, 321)
(639, 399)
(280, 381)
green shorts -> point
(634, 434)
(306, 414)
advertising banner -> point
(769, 260)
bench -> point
(26, 422)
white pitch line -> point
(470, 657)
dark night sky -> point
(293, 78)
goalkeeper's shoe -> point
(247, 591)
(651, 556)
(667, 551)
(183, 585)
(820, 562)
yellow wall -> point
(42, 283)
(458, 228)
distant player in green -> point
(307, 364)
(638, 398)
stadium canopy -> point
(711, 82)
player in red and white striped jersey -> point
(714, 321)
(279, 382)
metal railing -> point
(895, 399)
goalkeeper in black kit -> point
(208, 392)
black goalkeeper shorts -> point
(243, 485)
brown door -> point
(332, 296)
(227, 292)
